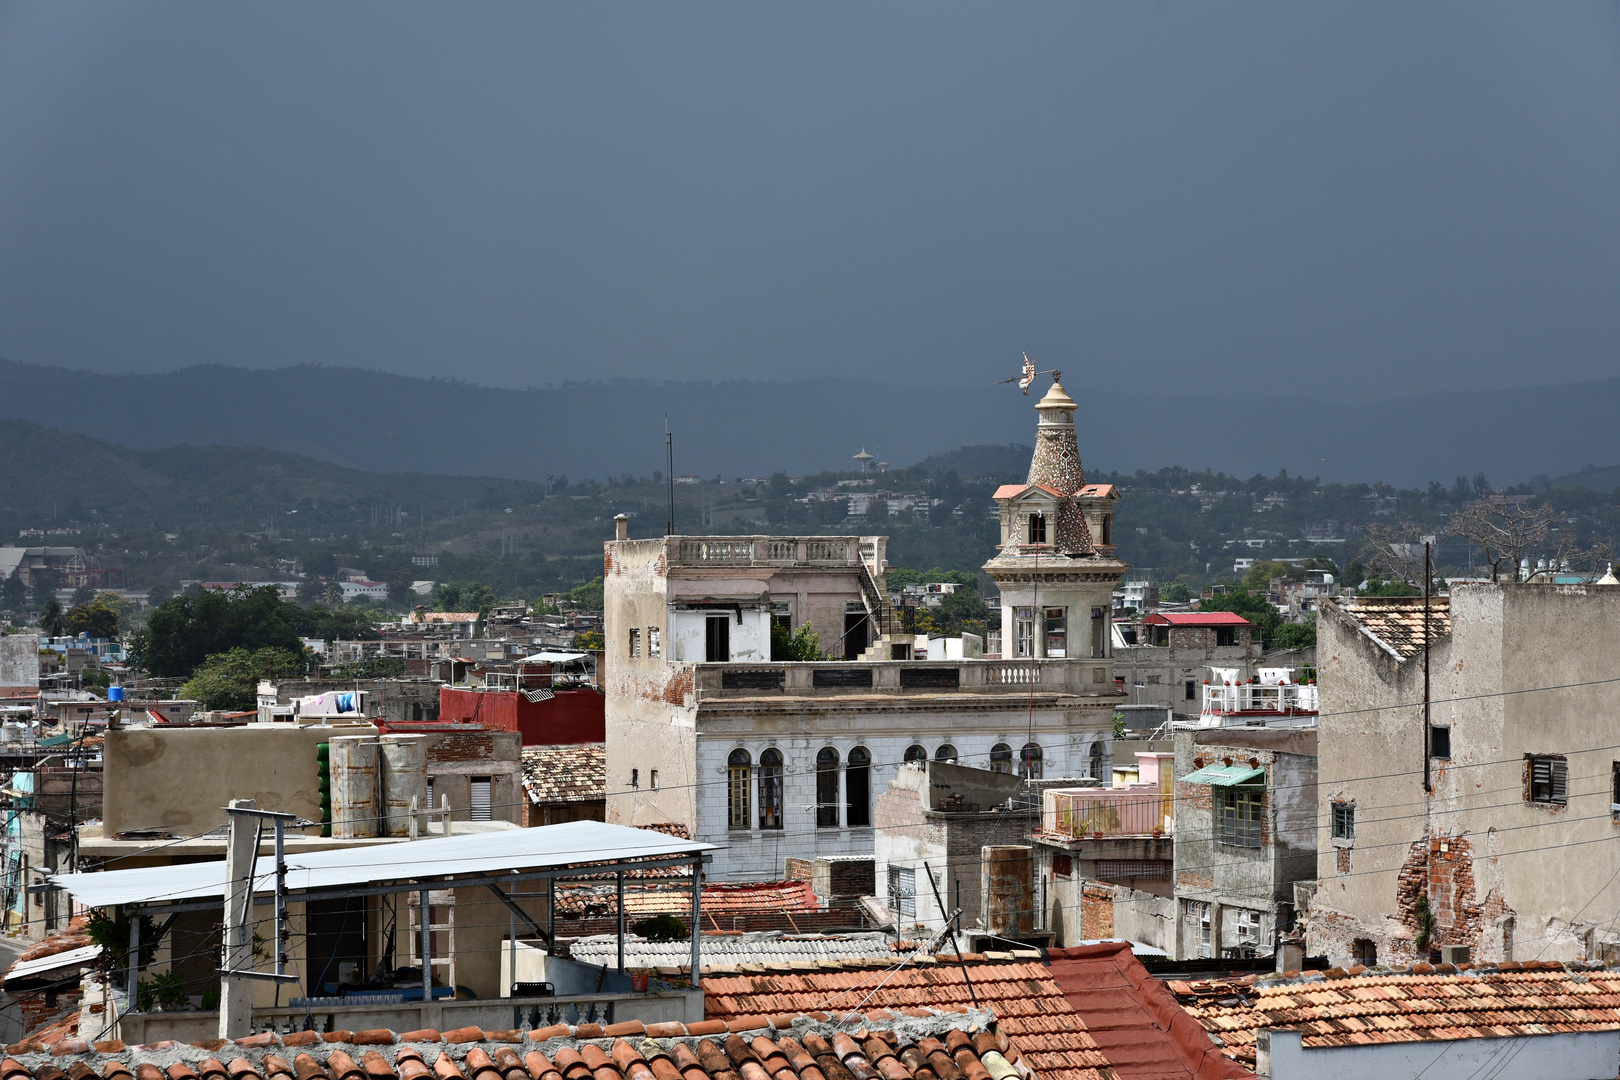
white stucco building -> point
(776, 759)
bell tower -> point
(1056, 566)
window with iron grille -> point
(635, 642)
(1344, 821)
(1120, 869)
(655, 644)
(902, 891)
(1239, 811)
(1549, 779)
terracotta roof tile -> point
(1396, 622)
(1400, 1007)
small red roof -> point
(1197, 618)
(1012, 491)
(1134, 1018)
(1099, 491)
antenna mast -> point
(669, 449)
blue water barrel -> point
(115, 693)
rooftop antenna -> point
(669, 449)
(1027, 375)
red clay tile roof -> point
(921, 1045)
(1028, 1006)
(584, 901)
(1340, 1008)
(565, 774)
(1196, 618)
(1396, 622)
(1134, 1019)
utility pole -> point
(669, 449)
(1428, 731)
(235, 990)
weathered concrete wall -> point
(1509, 878)
(1571, 1056)
(651, 701)
(19, 661)
(1145, 917)
(1235, 879)
(180, 779)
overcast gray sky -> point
(1369, 198)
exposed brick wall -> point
(1096, 911)
(900, 813)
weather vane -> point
(1027, 376)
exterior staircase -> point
(881, 615)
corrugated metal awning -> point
(33, 969)
(468, 855)
(1223, 775)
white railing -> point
(1013, 674)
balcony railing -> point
(1088, 677)
(1106, 812)
(775, 550)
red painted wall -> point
(572, 716)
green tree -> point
(1261, 573)
(333, 593)
(183, 631)
(800, 644)
(43, 586)
(13, 594)
(399, 586)
(962, 610)
(229, 680)
(587, 597)
(96, 618)
(51, 620)
(83, 595)
(590, 640)
(1175, 592)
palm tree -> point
(334, 593)
(51, 619)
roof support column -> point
(236, 991)
(697, 917)
(426, 950)
(621, 921)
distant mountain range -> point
(390, 423)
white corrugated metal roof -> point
(465, 855)
(54, 962)
(549, 656)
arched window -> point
(827, 788)
(1097, 761)
(915, 753)
(1001, 758)
(858, 788)
(738, 775)
(770, 789)
(946, 752)
(1037, 528)
(1029, 766)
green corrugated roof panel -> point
(1224, 775)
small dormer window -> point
(1037, 528)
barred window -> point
(1239, 816)
(635, 642)
(655, 646)
(1344, 821)
(1001, 758)
(902, 891)
(738, 776)
(1119, 869)
(1549, 779)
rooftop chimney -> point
(621, 527)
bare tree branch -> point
(1505, 530)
